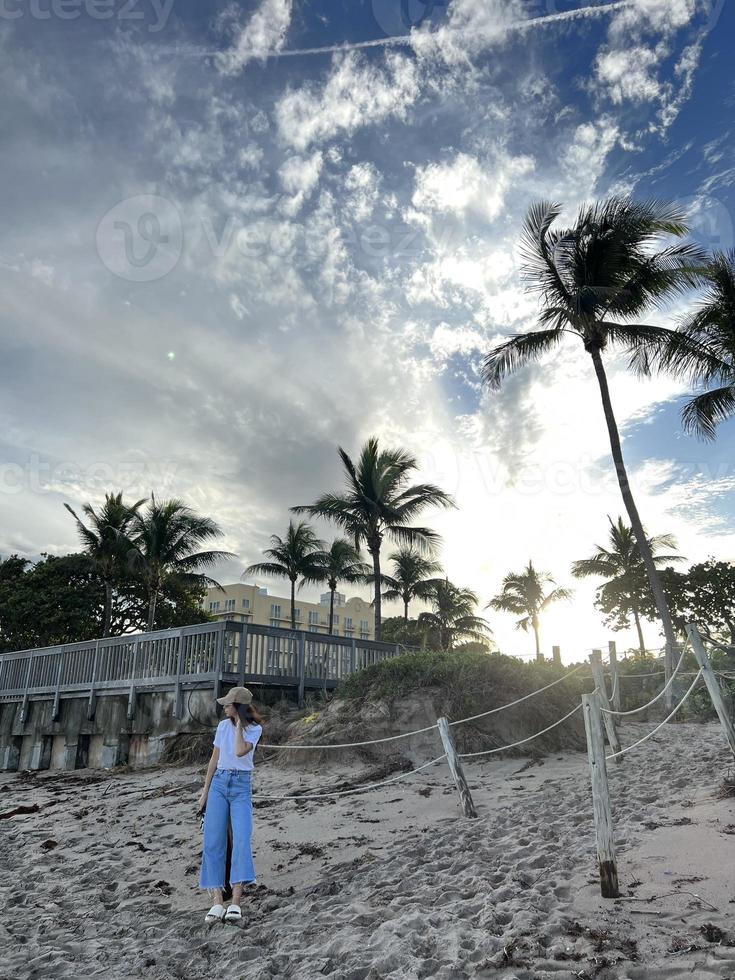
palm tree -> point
(165, 538)
(523, 594)
(105, 542)
(713, 324)
(378, 500)
(411, 578)
(452, 616)
(595, 280)
(294, 557)
(620, 563)
(340, 563)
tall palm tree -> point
(523, 594)
(105, 541)
(453, 615)
(713, 324)
(595, 281)
(620, 563)
(340, 563)
(411, 578)
(294, 557)
(165, 538)
(379, 500)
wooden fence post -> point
(712, 686)
(57, 692)
(242, 655)
(668, 670)
(600, 796)
(302, 667)
(92, 701)
(598, 675)
(455, 767)
(24, 704)
(131, 694)
(612, 650)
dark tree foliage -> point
(704, 594)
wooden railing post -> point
(131, 694)
(455, 767)
(92, 702)
(712, 686)
(24, 704)
(57, 692)
(600, 795)
(614, 675)
(301, 666)
(242, 656)
(178, 706)
(598, 675)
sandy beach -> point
(101, 878)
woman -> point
(226, 799)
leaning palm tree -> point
(595, 280)
(713, 324)
(165, 539)
(104, 538)
(379, 500)
(294, 557)
(620, 563)
(453, 616)
(341, 562)
(523, 594)
(411, 578)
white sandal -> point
(215, 914)
(233, 914)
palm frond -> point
(516, 353)
(703, 413)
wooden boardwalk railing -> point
(207, 655)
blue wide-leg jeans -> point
(228, 799)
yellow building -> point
(248, 603)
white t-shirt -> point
(224, 740)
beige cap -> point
(237, 695)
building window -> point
(364, 636)
(275, 612)
(348, 623)
(229, 605)
(349, 632)
(276, 622)
(313, 618)
(213, 606)
(336, 620)
(297, 614)
(364, 625)
(246, 603)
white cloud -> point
(299, 176)
(355, 94)
(263, 35)
(464, 186)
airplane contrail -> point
(407, 40)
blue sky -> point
(223, 255)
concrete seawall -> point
(74, 741)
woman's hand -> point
(202, 801)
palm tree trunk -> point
(375, 552)
(635, 520)
(293, 603)
(641, 643)
(405, 609)
(539, 655)
(107, 619)
(152, 608)
(331, 609)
